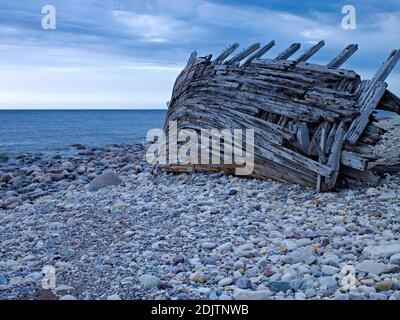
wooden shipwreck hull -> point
(314, 124)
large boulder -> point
(106, 178)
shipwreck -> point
(314, 125)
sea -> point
(31, 131)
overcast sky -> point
(127, 53)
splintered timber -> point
(313, 124)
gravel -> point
(158, 235)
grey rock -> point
(225, 282)
(382, 251)
(244, 283)
(383, 285)
(278, 286)
(107, 178)
(246, 251)
(329, 270)
(395, 259)
(150, 281)
(329, 282)
(369, 266)
(68, 297)
(3, 279)
(208, 245)
(240, 294)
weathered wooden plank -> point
(360, 148)
(322, 159)
(335, 155)
(354, 161)
(360, 123)
(390, 102)
(226, 53)
(380, 76)
(242, 55)
(303, 136)
(365, 177)
(258, 54)
(310, 52)
(288, 52)
(343, 56)
(191, 60)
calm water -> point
(44, 130)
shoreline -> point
(165, 236)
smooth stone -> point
(107, 178)
(225, 247)
(295, 284)
(369, 266)
(383, 250)
(329, 282)
(197, 277)
(232, 192)
(225, 282)
(246, 251)
(178, 259)
(238, 265)
(387, 196)
(383, 285)
(81, 169)
(114, 297)
(339, 230)
(209, 245)
(149, 281)
(240, 294)
(244, 283)
(395, 259)
(329, 270)
(63, 287)
(3, 279)
(68, 297)
(278, 286)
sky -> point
(127, 53)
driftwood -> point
(313, 124)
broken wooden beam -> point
(310, 52)
(259, 53)
(242, 55)
(226, 53)
(343, 56)
(361, 122)
(288, 52)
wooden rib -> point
(192, 58)
(343, 56)
(310, 52)
(354, 161)
(322, 158)
(245, 53)
(335, 155)
(259, 53)
(362, 121)
(226, 53)
(288, 52)
(379, 76)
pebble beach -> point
(115, 228)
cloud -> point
(145, 43)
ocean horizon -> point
(27, 131)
